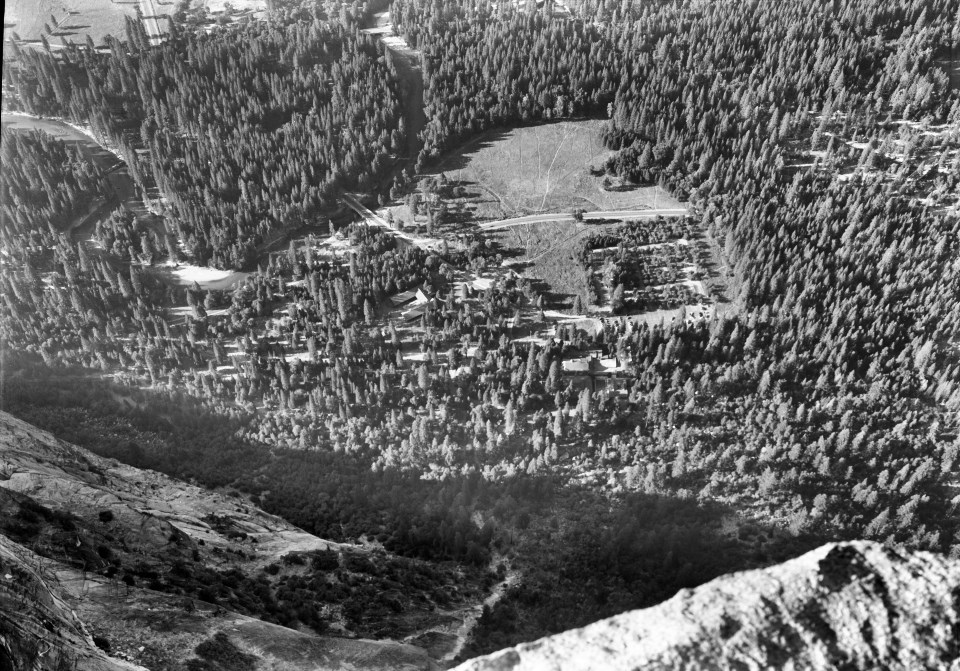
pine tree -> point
(423, 377)
(509, 418)
(577, 305)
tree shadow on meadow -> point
(460, 158)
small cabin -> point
(577, 366)
(403, 298)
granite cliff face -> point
(843, 606)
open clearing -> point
(662, 276)
(206, 278)
(543, 168)
(548, 256)
(74, 20)
(949, 62)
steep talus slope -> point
(843, 606)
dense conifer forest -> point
(816, 143)
(43, 186)
(247, 131)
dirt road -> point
(151, 20)
(587, 216)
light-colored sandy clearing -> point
(207, 278)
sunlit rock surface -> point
(845, 606)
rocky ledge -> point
(848, 606)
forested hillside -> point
(248, 131)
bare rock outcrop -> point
(38, 628)
(848, 606)
(151, 507)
